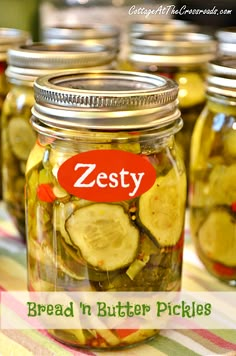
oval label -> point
(107, 175)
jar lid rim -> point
(102, 98)
(221, 79)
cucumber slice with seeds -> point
(104, 235)
(217, 237)
(21, 137)
(161, 208)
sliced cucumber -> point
(35, 157)
(21, 137)
(61, 214)
(217, 237)
(104, 235)
(162, 208)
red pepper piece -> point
(180, 243)
(224, 270)
(45, 193)
(121, 333)
(233, 207)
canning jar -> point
(183, 58)
(105, 190)
(9, 37)
(86, 33)
(25, 64)
(212, 197)
(162, 25)
(226, 41)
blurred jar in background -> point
(9, 38)
(139, 28)
(183, 58)
(118, 13)
(25, 64)
(212, 197)
(227, 41)
(87, 33)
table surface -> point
(13, 275)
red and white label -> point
(106, 175)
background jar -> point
(213, 174)
(161, 26)
(226, 41)
(9, 38)
(25, 64)
(133, 243)
(183, 58)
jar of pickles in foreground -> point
(105, 191)
(9, 38)
(183, 58)
(25, 64)
(212, 197)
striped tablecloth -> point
(169, 342)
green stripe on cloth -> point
(50, 344)
(18, 254)
(202, 341)
(229, 335)
(171, 347)
(13, 275)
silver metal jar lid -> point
(27, 62)
(107, 100)
(97, 33)
(221, 79)
(11, 37)
(227, 41)
(139, 28)
(171, 49)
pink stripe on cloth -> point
(217, 340)
(18, 308)
(9, 235)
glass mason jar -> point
(9, 37)
(140, 28)
(213, 174)
(102, 233)
(183, 58)
(25, 64)
(86, 33)
(226, 41)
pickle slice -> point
(21, 137)
(222, 188)
(161, 208)
(104, 235)
(35, 157)
(191, 89)
(230, 144)
(217, 237)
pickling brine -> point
(181, 57)
(9, 38)
(112, 224)
(18, 136)
(212, 197)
